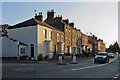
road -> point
(84, 69)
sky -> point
(98, 18)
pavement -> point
(86, 68)
(66, 60)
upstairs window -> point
(45, 33)
(58, 37)
(62, 38)
(69, 30)
(50, 35)
(80, 34)
(69, 40)
(73, 32)
(66, 29)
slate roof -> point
(32, 22)
(61, 28)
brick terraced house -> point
(48, 37)
(101, 45)
(70, 33)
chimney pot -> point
(40, 13)
(72, 24)
(39, 17)
(52, 10)
(66, 21)
(35, 14)
(59, 18)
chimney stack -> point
(72, 24)
(66, 21)
(39, 17)
(59, 18)
(101, 40)
(95, 38)
(50, 14)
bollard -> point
(74, 59)
(60, 59)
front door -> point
(32, 50)
(68, 49)
(54, 49)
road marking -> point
(94, 66)
(24, 69)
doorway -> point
(54, 49)
(32, 50)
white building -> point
(34, 34)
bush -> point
(40, 57)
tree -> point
(3, 31)
(113, 48)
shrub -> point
(40, 57)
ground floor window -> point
(22, 50)
(75, 50)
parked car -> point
(111, 55)
(101, 57)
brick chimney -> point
(101, 40)
(72, 24)
(95, 38)
(50, 14)
(66, 21)
(59, 18)
(79, 29)
(39, 17)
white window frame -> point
(50, 35)
(69, 40)
(22, 50)
(66, 29)
(58, 37)
(45, 33)
(62, 38)
(69, 30)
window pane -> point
(45, 33)
(62, 38)
(50, 35)
(58, 37)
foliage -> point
(3, 30)
(40, 57)
(113, 48)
